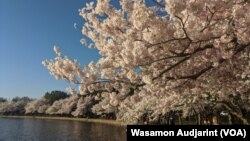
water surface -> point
(52, 130)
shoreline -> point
(100, 121)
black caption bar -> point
(190, 132)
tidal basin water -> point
(52, 130)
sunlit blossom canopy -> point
(176, 55)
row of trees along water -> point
(58, 103)
(161, 61)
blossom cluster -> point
(185, 56)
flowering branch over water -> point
(177, 55)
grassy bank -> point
(102, 121)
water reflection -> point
(51, 130)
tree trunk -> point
(240, 116)
(171, 118)
(215, 120)
(237, 114)
(179, 117)
(168, 117)
(199, 119)
(230, 121)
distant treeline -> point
(54, 103)
(58, 103)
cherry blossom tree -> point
(37, 106)
(63, 106)
(13, 107)
(84, 105)
(173, 55)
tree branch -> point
(203, 71)
(183, 23)
(158, 3)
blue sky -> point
(28, 31)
